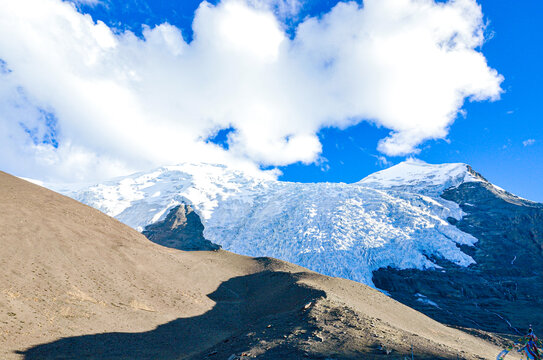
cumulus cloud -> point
(79, 101)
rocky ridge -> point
(503, 290)
(181, 229)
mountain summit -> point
(420, 177)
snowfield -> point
(392, 218)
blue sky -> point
(502, 139)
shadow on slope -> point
(241, 302)
(267, 315)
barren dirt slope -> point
(77, 284)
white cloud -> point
(528, 142)
(123, 103)
(283, 8)
(382, 161)
(87, 2)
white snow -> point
(33, 181)
(513, 261)
(423, 299)
(392, 218)
(417, 176)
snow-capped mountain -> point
(415, 176)
(394, 218)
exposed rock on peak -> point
(182, 229)
(502, 290)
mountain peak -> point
(415, 175)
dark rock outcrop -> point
(181, 229)
(503, 291)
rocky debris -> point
(503, 291)
(181, 229)
(327, 330)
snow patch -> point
(33, 181)
(423, 299)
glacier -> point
(394, 217)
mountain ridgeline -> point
(439, 238)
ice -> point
(391, 218)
